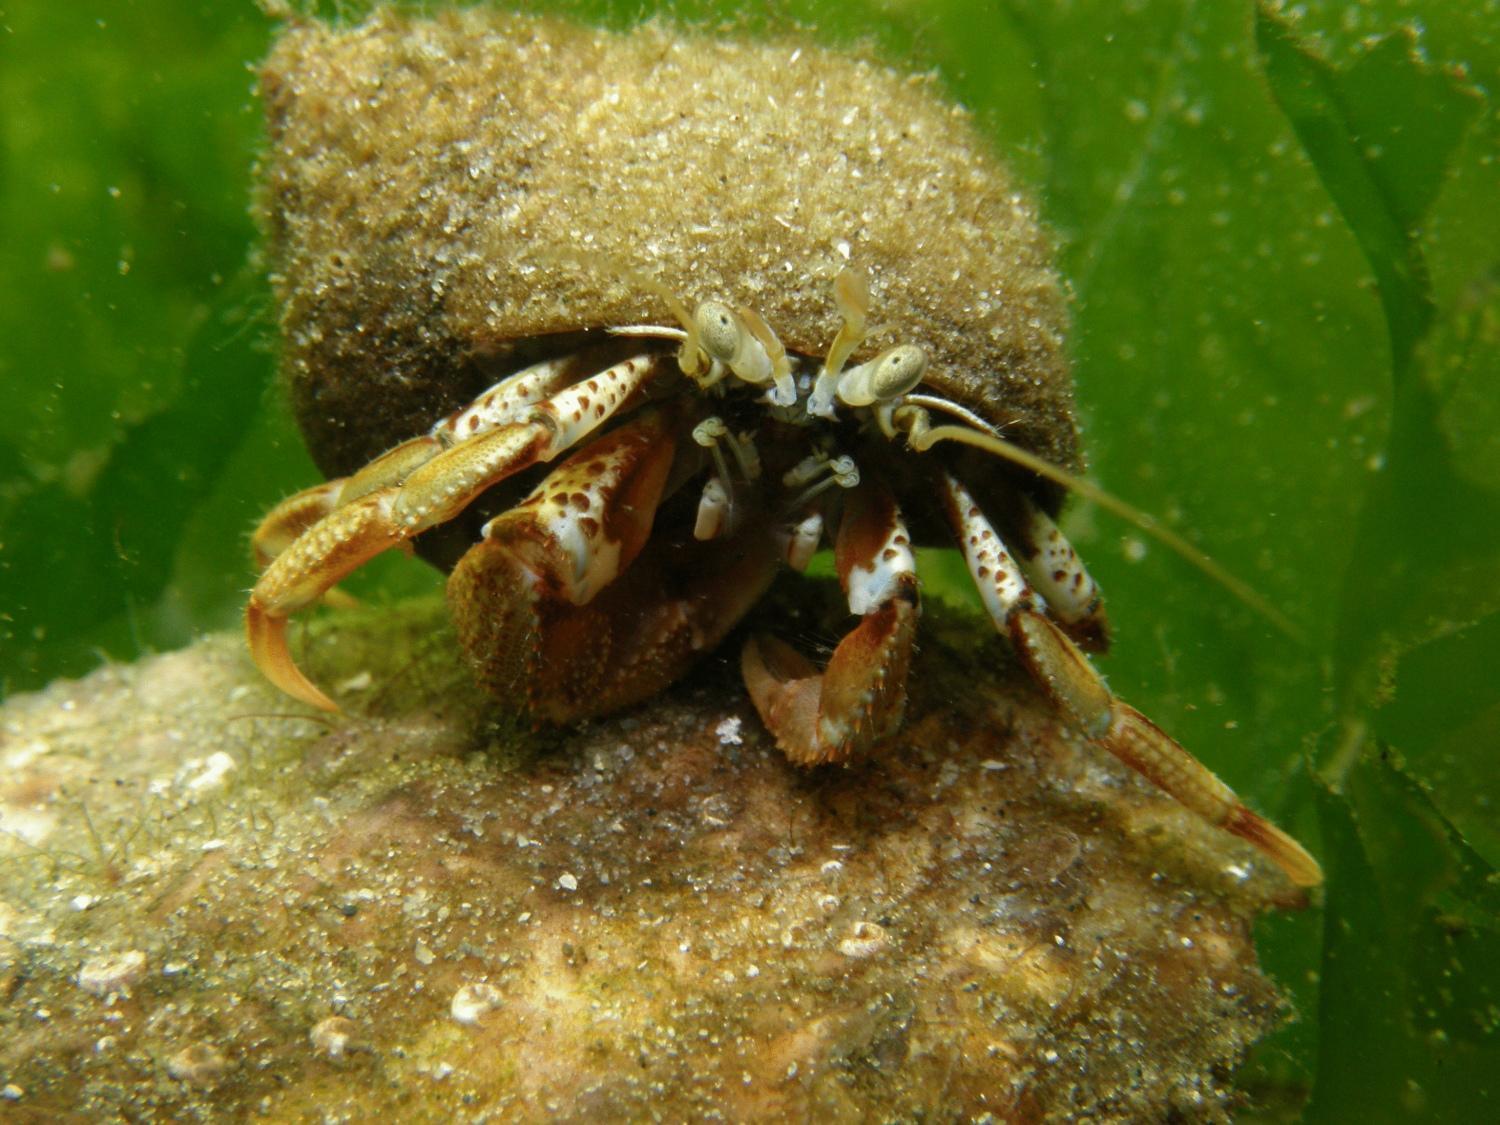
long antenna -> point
(924, 439)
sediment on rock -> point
(214, 902)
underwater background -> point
(1281, 233)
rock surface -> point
(214, 905)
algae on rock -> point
(216, 904)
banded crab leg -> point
(555, 608)
(437, 489)
(858, 699)
(1078, 691)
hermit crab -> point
(666, 313)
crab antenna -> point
(924, 438)
(689, 359)
(851, 293)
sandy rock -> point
(990, 918)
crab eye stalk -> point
(743, 342)
(851, 292)
(888, 376)
(690, 358)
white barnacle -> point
(865, 939)
(471, 1001)
(334, 1036)
(197, 1064)
(111, 973)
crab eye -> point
(889, 375)
(897, 371)
(719, 330)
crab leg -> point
(501, 404)
(858, 699)
(289, 519)
(552, 605)
(1068, 678)
(1057, 573)
(437, 490)
(506, 402)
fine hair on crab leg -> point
(328, 551)
(1068, 678)
(496, 406)
(281, 526)
(858, 699)
(508, 399)
(447, 484)
(589, 517)
(351, 535)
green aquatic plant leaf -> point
(1410, 973)
(1252, 263)
(1441, 710)
(1227, 354)
(1384, 131)
(130, 376)
(87, 561)
(1380, 132)
(1411, 965)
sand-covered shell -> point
(447, 197)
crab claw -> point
(1115, 726)
(837, 714)
(267, 636)
(1146, 748)
(321, 556)
(1058, 665)
(858, 699)
(784, 686)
